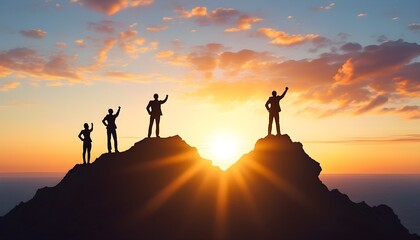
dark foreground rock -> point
(162, 189)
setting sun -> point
(224, 150)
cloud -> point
(105, 26)
(132, 44)
(157, 28)
(414, 26)
(80, 43)
(324, 8)
(351, 47)
(9, 86)
(34, 33)
(375, 103)
(219, 16)
(414, 138)
(27, 62)
(244, 23)
(362, 14)
(108, 44)
(111, 7)
(60, 44)
(281, 38)
(356, 80)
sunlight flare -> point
(224, 150)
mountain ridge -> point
(161, 188)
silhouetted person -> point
(87, 142)
(155, 111)
(111, 128)
(273, 107)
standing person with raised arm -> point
(273, 107)
(155, 111)
(87, 142)
(111, 128)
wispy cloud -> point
(412, 138)
(9, 86)
(111, 7)
(157, 28)
(414, 26)
(105, 26)
(244, 23)
(281, 38)
(219, 16)
(362, 14)
(34, 33)
(324, 8)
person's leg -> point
(277, 118)
(157, 125)
(114, 135)
(88, 152)
(108, 133)
(149, 134)
(270, 123)
(84, 153)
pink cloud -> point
(34, 33)
(28, 62)
(244, 23)
(111, 7)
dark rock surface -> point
(162, 189)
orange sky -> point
(354, 97)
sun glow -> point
(224, 150)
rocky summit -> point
(162, 189)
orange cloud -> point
(244, 23)
(357, 81)
(103, 52)
(34, 33)
(110, 7)
(157, 28)
(80, 42)
(281, 38)
(60, 44)
(219, 16)
(9, 86)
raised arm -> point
(284, 93)
(118, 112)
(91, 127)
(166, 99)
(80, 136)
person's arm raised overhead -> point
(166, 99)
(118, 112)
(284, 93)
(91, 127)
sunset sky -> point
(352, 68)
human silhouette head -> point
(274, 93)
(86, 126)
(110, 111)
(156, 96)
